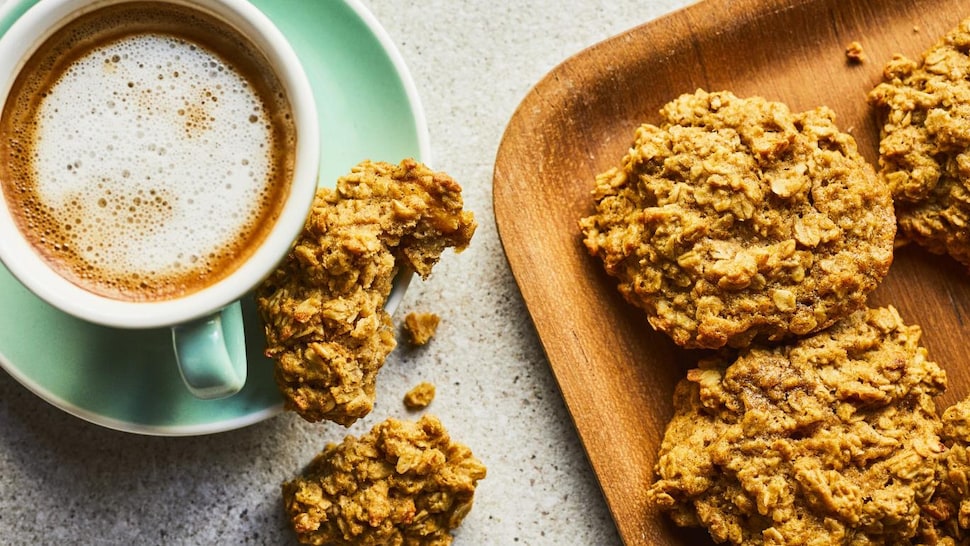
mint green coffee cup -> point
(153, 205)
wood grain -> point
(617, 375)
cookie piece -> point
(323, 307)
(402, 483)
(925, 140)
(736, 220)
(831, 440)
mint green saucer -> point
(127, 379)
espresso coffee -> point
(146, 150)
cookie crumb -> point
(401, 483)
(420, 396)
(854, 53)
(421, 327)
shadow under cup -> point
(157, 160)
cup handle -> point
(211, 364)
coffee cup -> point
(157, 160)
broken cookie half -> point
(323, 308)
(402, 483)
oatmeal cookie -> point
(924, 152)
(737, 220)
(323, 307)
(833, 439)
(403, 483)
(946, 518)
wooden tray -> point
(617, 375)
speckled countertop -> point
(65, 481)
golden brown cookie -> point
(736, 219)
(924, 153)
(946, 518)
(402, 483)
(831, 440)
(323, 307)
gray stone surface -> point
(64, 481)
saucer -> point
(127, 379)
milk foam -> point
(154, 155)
